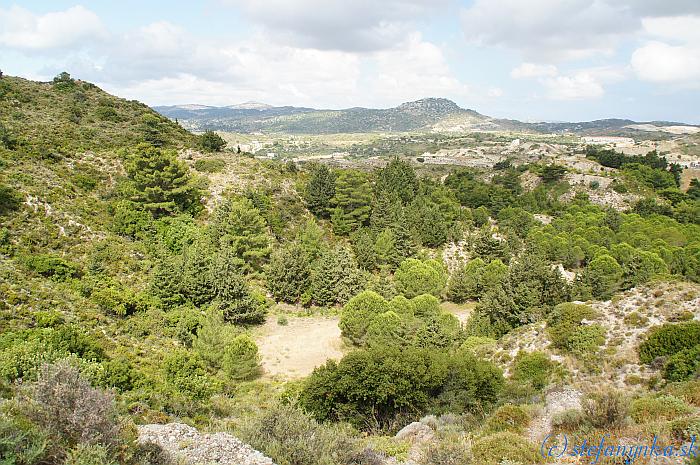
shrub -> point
(508, 417)
(369, 388)
(606, 408)
(88, 454)
(685, 428)
(53, 267)
(10, 199)
(211, 142)
(415, 277)
(567, 332)
(186, 373)
(499, 447)
(209, 165)
(652, 408)
(569, 420)
(472, 343)
(290, 437)
(683, 365)
(689, 391)
(241, 360)
(358, 313)
(669, 339)
(534, 368)
(21, 444)
(64, 404)
(445, 453)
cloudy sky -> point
(530, 60)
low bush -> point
(186, 373)
(89, 454)
(534, 368)
(568, 333)
(569, 420)
(240, 360)
(446, 453)
(21, 443)
(64, 404)
(652, 408)
(209, 165)
(683, 365)
(508, 417)
(689, 391)
(53, 267)
(504, 446)
(669, 339)
(290, 437)
(606, 408)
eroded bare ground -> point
(293, 350)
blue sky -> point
(531, 60)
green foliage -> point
(504, 447)
(513, 418)
(534, 368)
(10, 199)
(238, 228)
(604, 275)
(358, 313)
(567, 331)
(129, 219)
(474, 279)
(683, 365)
(335, 278)
(21, 444)
(352, 200)
(445, 453)
(53, 267)
(669, 339)
(186, 373)
(240, 359)
(212, 338)
(210, 165)
(211, 142)
(234, 299)
(289, 273)
(160, 182)
(606, 408)
(552, 173)
(415, 277)
(369, 388)
(651, 408)
(291, 437)
(89, 454)
(397, 179)
(320, 190)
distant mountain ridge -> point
(428, 114)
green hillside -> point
(147, 275)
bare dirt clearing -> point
(295, 349)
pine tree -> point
(320, 189)
(197, 279)
(336, 277)
(289, 273)
(161, 182)
(233, 296)
(238, 227)
(397, 178)
(353, 197)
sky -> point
(534, 60)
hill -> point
(429, 114)
(147, 278)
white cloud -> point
(530, 70)
(673, 59)
(581, 84)
(23, 30)
(359, 25)
(663, 63)
(559, 30)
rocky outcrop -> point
(185, 444)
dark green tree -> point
(161, 182)
(352, 201)
(234, 298)
(320, 190)
(289, 273)
(335, 278)
(211, 142)
(397, 179)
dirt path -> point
(294, 350)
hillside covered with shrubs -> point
(132, 285)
